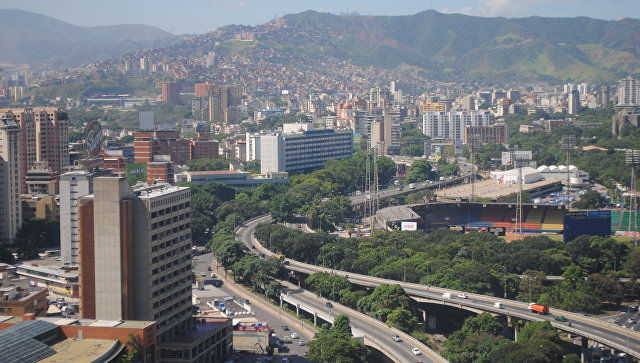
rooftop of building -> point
(49, 266)
(145, 190)
(81, 350)
(217, 172)
(203, 328)
(120, 324)
(398, 213)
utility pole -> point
(632, 158)
(472, 150)
(568, 142)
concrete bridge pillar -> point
(315, 319)
(584, 355)
(281, 302)
(297, 309)
(516, 329)
(424, 319)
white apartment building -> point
(450, 125)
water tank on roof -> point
(543, 169)
(553, 168)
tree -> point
(327, 285)
(328, 349)
(537, 329)
(252, 166)
(273, 290)
(206, 164)
(229, 252)
(384, 296)
(591, 200)
(420, 171)
(531, 285)
(574, 274)
(632, 265)
(402, 319)
(342, 326)
(203, 206)
(421, 197)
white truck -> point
(447, 295)
(412, 185)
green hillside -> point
(463, 48)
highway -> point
(613, 336)
(376, 333)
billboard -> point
(458, 150)
(146, 120)
(587, 222)
(427, 149)
(409, 226)
(401, 170)
(136, 172)
(93, 138)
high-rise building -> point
(450, 125)
(392, 133)
(135, 254)
(73, 186)
(11, 209)
(223, 104)
(573, 102)
(171, 93)
(305, 151)
(44, 138)
(498, 133)
(628, 92)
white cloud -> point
(506, 7)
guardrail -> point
(374, 281)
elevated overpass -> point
(610, 335)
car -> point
(203, 274)
(396, 338)
(329, 304)
(560, 318)
(209, 268)
(253, 247)
(300, 342)
(631, 321)
(285, 328)
(340, 229)
(416, 351)
(294, 335)
(462, 296)
(285, 360)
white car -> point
(416, 351)
(462, 296)
(294, 335)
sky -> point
(201, 16)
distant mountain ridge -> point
(464, 48)
(39, 40)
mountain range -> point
(448, 47)
(464, 48)
(43, 42)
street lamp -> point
(505, 281)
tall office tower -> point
(513, 95)
(468, 103)
(223, 104)
(605, 96)
(450, 125)
(628, 92)
(583, 88)
(377, 134)
(44, 138)
(171, 93)
(392, 133)
(73, 186)
(567, 88)
(573, 102)
(135, 254)
(210, 59)
(10, 207)
(145, 67)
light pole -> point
(632, 158)
(505, 281)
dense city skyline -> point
(211, 14)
